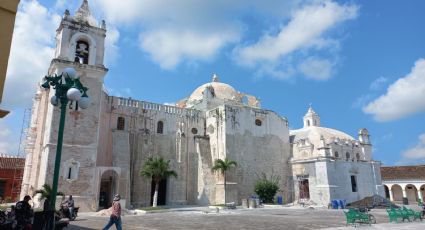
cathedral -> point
(106, 145)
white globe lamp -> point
(73, 94)
(84, 102)
(54, 100)
(71, 73)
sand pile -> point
(374, 201)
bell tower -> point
(79, 39)
(80, 44)
(311, 118)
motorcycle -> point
(64, 212)
(7, 220)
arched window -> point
(82, 52)
(120, 123)
(160, 127)
(71, 169)
(357, 156)
(347, 156)
(308, 122)
(336, 154)
(258, 122)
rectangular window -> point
(353, 183)
(70, 173)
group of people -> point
(22, 213)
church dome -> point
(221, 91)
(315, 133)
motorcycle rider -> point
(23, 213)
(71, 205)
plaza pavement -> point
(263, 218)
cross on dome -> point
(215, 78)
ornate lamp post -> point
(68, 88)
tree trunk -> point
(225, 193)
(155, 195)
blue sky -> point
(360, 63)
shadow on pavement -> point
(73, 227)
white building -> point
(404, 184)
(328, 164)
(106, 145)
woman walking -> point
(116, 214)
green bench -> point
(394, 214)
(412, 213)
(354, 216)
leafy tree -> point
(158, 169)
(223, 166)
(46, 191)
(266, 188)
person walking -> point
(115, 217)
(23, 213)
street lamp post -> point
(68, 88)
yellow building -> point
(8, 10)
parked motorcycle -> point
(64, 212)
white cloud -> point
(188, 30)
(378, 83)
(31, 52)
(415, 154)
(8, 144)
(403, 98)
(124, 92)
(169, 47)
(111, 45)
(304, 30)
(316, 68)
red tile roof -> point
(416, 172)
(11, 162)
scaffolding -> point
(18, 173)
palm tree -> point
(46, 192)
(158, 169)
(223, 167)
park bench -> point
(411, 213)
(354, 216)
(403, 213)
(395, 213)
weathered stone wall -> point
(257, 149)
(176, 143)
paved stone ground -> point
(264, 218)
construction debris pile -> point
(374, 201)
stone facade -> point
(106, 145)
(329, 164)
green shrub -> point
(266, 188)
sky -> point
(360, 64)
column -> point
(420, 194)
(405, 200)
(391, 194)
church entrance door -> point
(162, 192)
(108, 188)
(304, 189)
